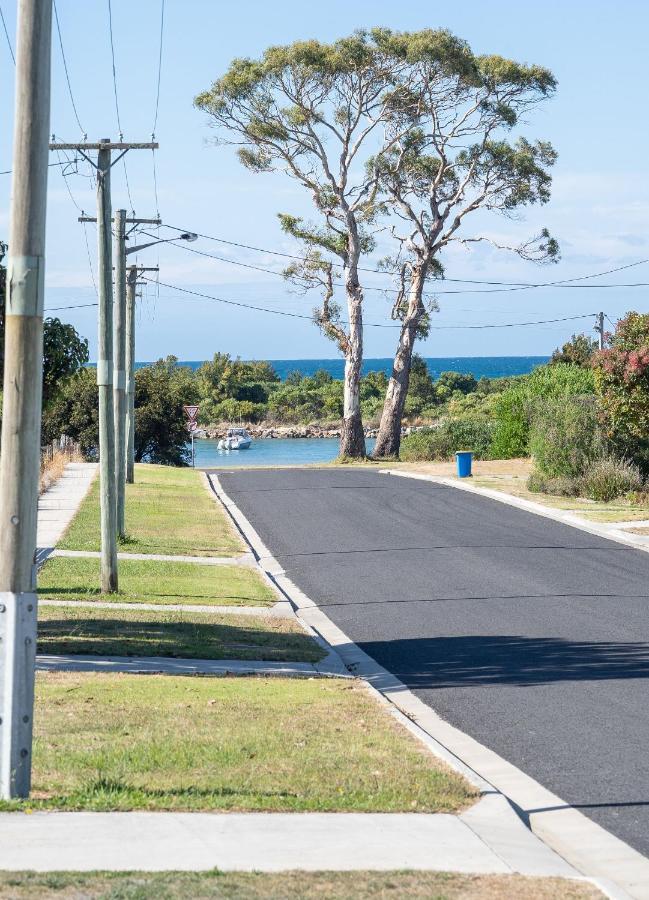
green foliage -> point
(608, 478)
(161, 390)
(565, 436)
(64, 354)
(514, 408)
(452, 435)
(622, 378)
(226, 379)
(559, 486)
(577, 351)
(303, 400)
(74, 411)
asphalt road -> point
(528, 634)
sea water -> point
(270, 452)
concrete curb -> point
(619, 869)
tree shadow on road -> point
(484, 660)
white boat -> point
(236, 439)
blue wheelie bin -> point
(464, 458)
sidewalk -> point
(58, 505)
(275, 842)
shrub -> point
(560, 486)
(513, 409)
(608, 478)
(565, 436)
(451, 436)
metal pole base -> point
(18, 614)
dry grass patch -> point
(120, 742)
(126, 632)
(288, 886)
(144, 581)
(168, 511)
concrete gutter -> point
(619, 869)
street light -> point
(185, 236)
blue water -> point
(488, 366)
(270, 452)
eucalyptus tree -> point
(454, 160)
(324, 115)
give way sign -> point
(191, 412)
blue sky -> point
(597, 122)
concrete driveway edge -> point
(555, 826)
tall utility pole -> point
(107, 498)
(130, 374)
(23, 383)
(131, 286)
(107, 468)
(599, 328)
(119, 373)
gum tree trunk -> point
(352, 437)
(388, 440)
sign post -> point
(191, 412)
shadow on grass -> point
(175, 639)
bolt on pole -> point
(23, 382)
(119, 374)
(108, 508)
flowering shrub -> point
(622, 384)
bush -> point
(608, 478)
(513, 409)
(451, 436)
(560, 486)
(565, 436)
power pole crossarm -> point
(22, 393)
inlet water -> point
(270, 452)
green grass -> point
(144, 581)
(287, 886)
(134, 632)
(120, 742)
(168, 511)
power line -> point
(559, 284)
(65, 68)
(65, 162)
(280, 312)
(520, 284)
(157, 96)
(119, 123)
(11, 49)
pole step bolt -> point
(15, 520)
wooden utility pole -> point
(107, 467)
(23, 383)
(131, 286)
(119, 373)
(599, 328)
(130, 374)
(108, 507)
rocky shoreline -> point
(269, 430)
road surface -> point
(529, 635)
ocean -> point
(479, 366)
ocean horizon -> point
(479, 366)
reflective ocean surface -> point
(273, 452)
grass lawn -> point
(288, 886)
(510, 476)
(143, 581)
(134, 632)
(120, 742)
(168, 510)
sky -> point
(600, 199)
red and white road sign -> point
(191, 412)
(192, 425)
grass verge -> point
(168, 511)
(510, 476)
(287, 886)
(122, 742)
(144, 581)
(126, 632)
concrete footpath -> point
(487, 839)
(58, 504)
